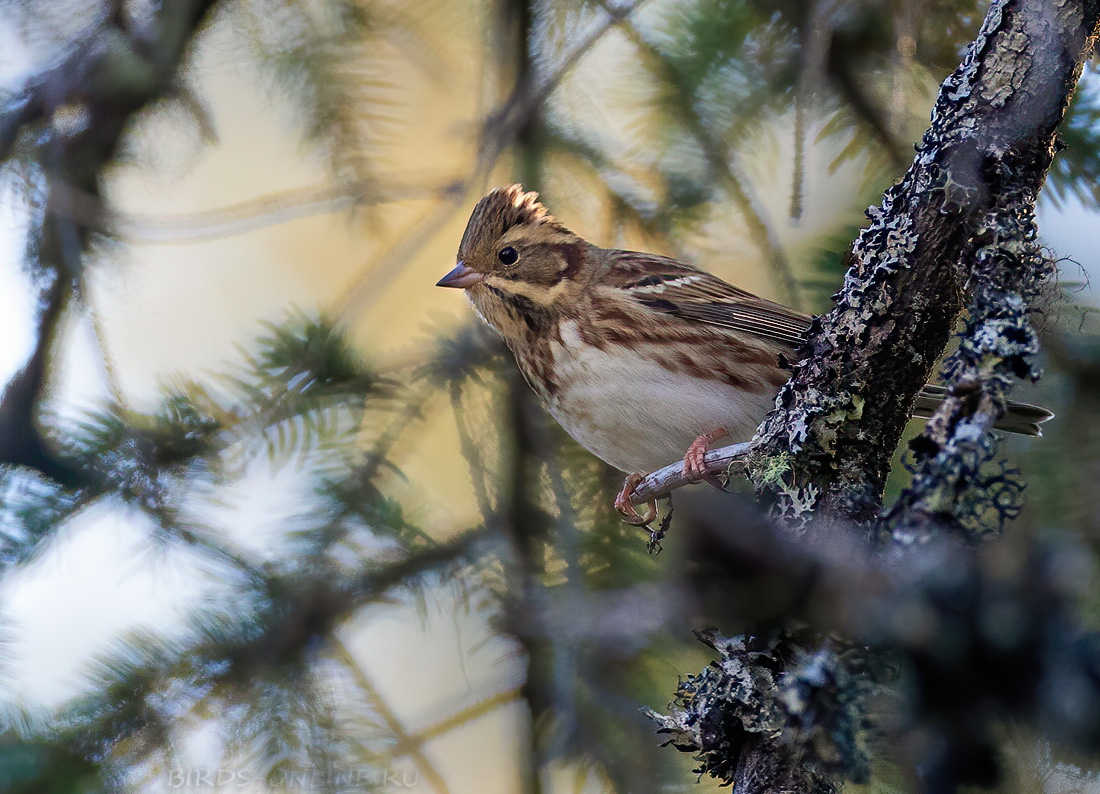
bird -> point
(643, 359)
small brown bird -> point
(639, 357)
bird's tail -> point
(1022, 418)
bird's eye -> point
(508, 255)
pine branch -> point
(72, 119)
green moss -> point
(769, 471)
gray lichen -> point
(956, 232)
(957, 484)
(957, 229)
(803, 708)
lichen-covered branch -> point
(797, 719)
(961, 223)
(943, 237)
(956, 232)
(957, 486)
(981, 635)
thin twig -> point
(263, 211)
(663, 481)
(110, 369)
(718, 155)
(530, 94)
(469, 714)
(496, 133)
(406, 744)
(373, 280)
(471, 452)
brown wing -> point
(669, 286)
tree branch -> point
(70, 120)
(958, 229)
(663, 481)
(984, 634)
(928, 246)
(960, 223)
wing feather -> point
(669, 286)
(660, 284)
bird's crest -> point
(505, 207)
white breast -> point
(635, 414)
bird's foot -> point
(626, 509)
(694, 467)
(653, 545)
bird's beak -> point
(462, 276)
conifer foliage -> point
(912, 627)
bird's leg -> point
(626, 509)
(694, 469)
(653, 546)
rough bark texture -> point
(778, 730)
(983, 637)
(960, 223)
(957, 231)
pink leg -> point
(626, 509)
(693, 458)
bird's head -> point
(517, 263)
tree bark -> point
(958, 231)
(958, 228)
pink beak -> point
(461, 277)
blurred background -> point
(339, 547)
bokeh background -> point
(376, 565)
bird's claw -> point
(653, 545)
(694, 467)
(694, 464)
(626, 509)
